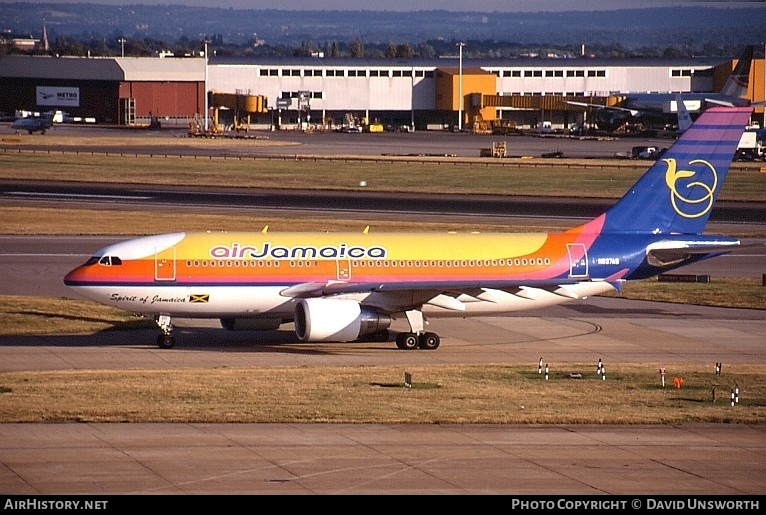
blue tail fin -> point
(737, 83)
(677, 193)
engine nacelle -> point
(251, 324)
(336, 320)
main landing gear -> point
(165, 340)
(425, 341)
(418, 338)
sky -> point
(420, 5)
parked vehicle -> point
(644, 152)
(751, 146)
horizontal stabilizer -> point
(669, 252)
(695, 246)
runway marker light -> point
(718, 368)
(714, 387)
(408, 380)
(546, 371)
(662, 377)
(732, 398)
(540, 366)
(736, 394)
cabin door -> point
(165, 264)
(578, 260)
(344, 269)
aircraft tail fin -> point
(684, 118)
(677, 193)
(739, 79)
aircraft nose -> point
(75, 277)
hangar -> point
(118, 91)
(318, 93)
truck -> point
(751, 146)
(643, 152)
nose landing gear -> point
(165, 340)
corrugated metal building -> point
(111, 90)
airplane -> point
(657, 109)
(350, 286)
(33, 124)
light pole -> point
(205, 92)
(460, 88)
(122, 44)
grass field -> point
(476, 394)
(552, 177)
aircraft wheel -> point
(429, 341)
(407, 341)
(165, 341)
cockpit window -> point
(91, 261)
(110, 261)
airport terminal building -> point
(313, 93)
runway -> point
(287, 459)
(302, 459)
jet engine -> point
(336, 320)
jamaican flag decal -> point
(199, 298)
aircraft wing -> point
(716, 101)
(633, 112)
(460, 295)
(308, 290)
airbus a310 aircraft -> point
(340, 287)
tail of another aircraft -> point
(739, 80)
(676, 195)
(684, 118)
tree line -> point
(117, 45)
